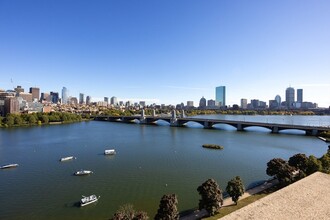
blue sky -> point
(167, 51)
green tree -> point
(281, 170)
(314, 165)
(1, 121)
(235, 188)
(212, 198)
(167, 208)
(32, 119)
(274, 165)
(9, 120)
(299, 161)
(325, 160)
(18, 120)
(45, 119)
(127, 212)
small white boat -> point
(86, 200)
(67, 158)
(83, 172)
(110, 152)
(12, 165)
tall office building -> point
(289, 97)
(220, 95)
(54, 97)
(113, 100)
(299, 95)
(202, 103)
(244, 103)
(19, 89)
(106, 99)
(64, 95)
(44, 96)
(35, 93)
(190, 103)
(88, 100)
(81, 98)
(278, 100)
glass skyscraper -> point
(289, 97)
(220, 95)
(299, 95)
(64, 95)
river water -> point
(151, 161)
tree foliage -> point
(281, 170)
(127, 212)
(167, 208)
(299, 161)
(314, 165)
(212, 198)
(39, 118)
(235, 188)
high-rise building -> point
(88, 100)
(255, 103)
(278, 100)
(300, 96)
(54, 97)
(106, 99)
(244, 103)
(81, 98)
(19, 89)
(64, 95)
(190, 103)
(113, 100)
(35, 93)
(44, 96)
(11, 105)
(202, 103)
(289, 97)
(220, 95)
(211, 103)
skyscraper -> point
(289, 97)
(220, 95)
(81, 98)
(88, 100)
(299, 95)
(202, 103)
(244, 103)
(54, 97)
(113, 100)
(64, 95)
(106, 99)
(35, 93)
(278, 100)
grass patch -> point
(244, 202)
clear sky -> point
(167, 51)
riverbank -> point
(229, 206)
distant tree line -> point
(17, 120)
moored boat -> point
(67, 158)
(83, 172)
(110, 152)
(12, 165)
(86, 200)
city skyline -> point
(167, 51)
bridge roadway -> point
(208, 123)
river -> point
(151, 161)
